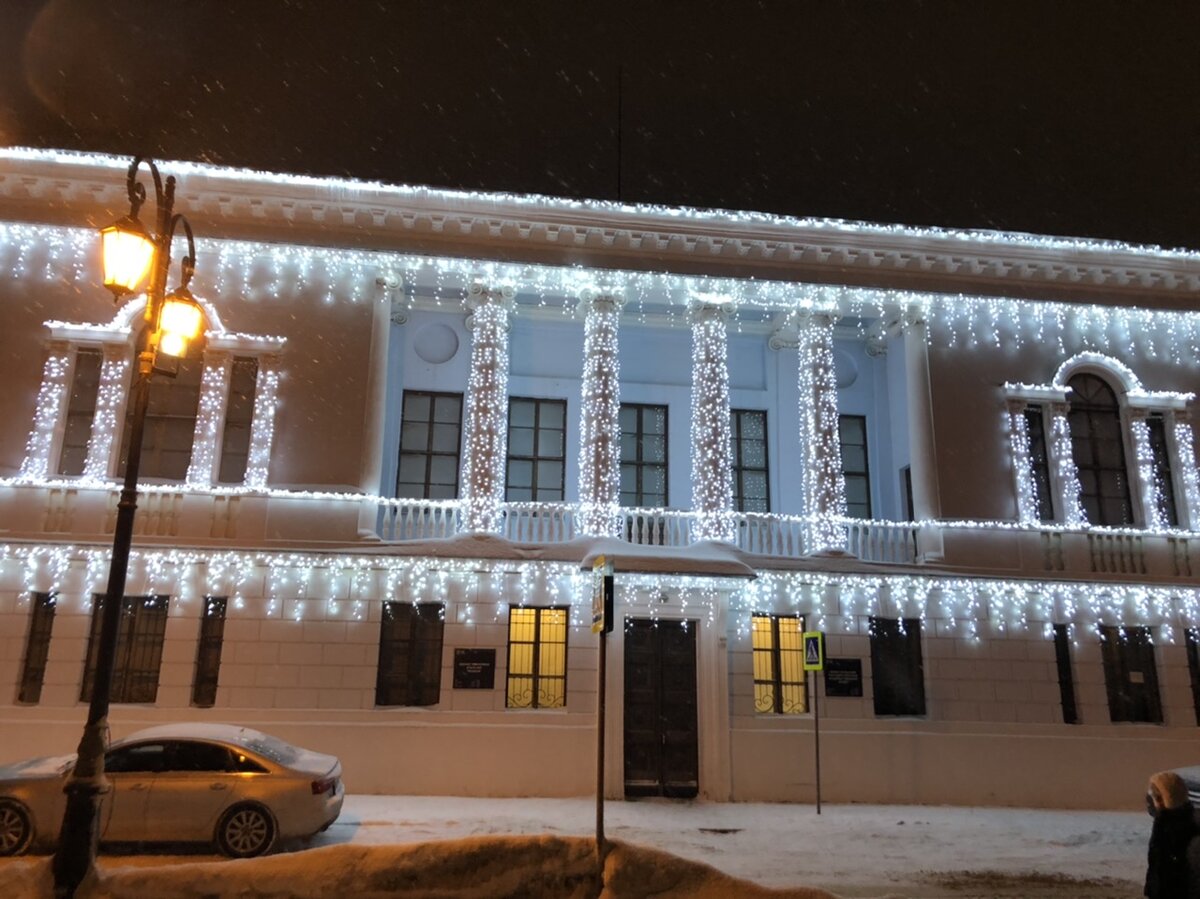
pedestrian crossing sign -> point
(814, 651)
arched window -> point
(1098, 445)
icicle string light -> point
(712, 489)
(210, 415)
(115, 371)
(1018, 432)
(262, 422)
(1062, 461)
(599, 418)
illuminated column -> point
(1147, 485)
(210, 418)
(1018, 435)
(1062, 466)
(262, 422)
(1182, 447)
(115, 371)
(823, 483)
(375, 408)
(712, 486)
(486, 420)
(599, 418)
(922, 450)
(51, 403)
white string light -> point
(712, 488)
(486, 420)
(51, 400)
(824, 485)
(599, 418)
(210, 415)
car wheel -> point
(16, 830)
(245, 831)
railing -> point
(770, 535)
(657, 527)
(415, 519)
(882, 541)
(539, 522)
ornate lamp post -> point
(173, 321)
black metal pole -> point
(79, 836)
(602, 682)
(817, 731)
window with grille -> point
(852, 434)
(138, 656)
(170, 424)
(748, 430)
(643, 455)
(897, 669)
(410, 654)
(1066, 681)
(37, 647)
(239, 417)
(1039, 461)
(208, 651)
(1130, 675)
(81, 410)
(537, 449)
(779, 682)
(537, 658)
(430, 444)
(1098, 447)
(1161, 461)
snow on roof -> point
(193, 730)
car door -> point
(131, 771)
(197, 784)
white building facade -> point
(369, 507)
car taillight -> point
(323, 786)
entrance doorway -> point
(661, 734)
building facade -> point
(371, 504)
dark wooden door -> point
(661, 755)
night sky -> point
(1050, 116)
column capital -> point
(602, 299)
(481, 296)
(704, 306)
(914, 315)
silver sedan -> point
(238, 788)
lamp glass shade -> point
(127, 252)
(180, 323)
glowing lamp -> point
(127, 251)
(180, 323)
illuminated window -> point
(81, 409)
(537, 658)
(537, 450)
(410, 654)
(643, 455)
(748, 430)
(779, 682)
(208, 651)
(1130, 675)
(37, 647)
(139, 649)
(430, 443)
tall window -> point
(897, 668)
(1039, 461)
(1130, 675)
(537, 450)
(537, 658)
(643, 455)
(170, 423)
(1192, 638)
(1097, 443)
(748, 429)
(1163, 480)
(239, 416)
(852, 433)
(778, 646)
(139, 649)
(37, 647)
(410, 654)
(1066, 681)
(430, 442)
(208, 651)
(81, 409)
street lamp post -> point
(172, 323)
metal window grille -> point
(1130, 675)
(1066, 681)
(1162, 470)
(81, 409)
(780, 685)
(1098, 446)
(239, 416)
(643, 455)
(537, 658)
(430, 445)
(1039, 461)
(139, 649)
(37, 647)
(170, 424)
(751, 489)
(537, 450)
(897, 668)
(410, 654)
(852, 435)
(208, 651)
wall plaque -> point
(474, 669)
(843, 677)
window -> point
(170, 424)
(537, 449)
(37, 647)
(643, 455)
(139, 649)
(1192, 638)
(1161, 461)
(194, 755)
(430, 441)
(1039, 461)
(1098, 446)
(1066, 681)
(239, 417)
(208, 652)
(748, 429)
(537, 658)
(896, 666)
(144, 757)
(852, 433)
(81, 409)
(906, 493)
(410, 654)
(1130, 675)
(779, 681)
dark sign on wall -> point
(843, 677)
(474, 669)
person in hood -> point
(1173, 860)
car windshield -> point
(274, 749)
